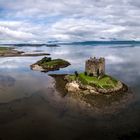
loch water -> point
(31, 107)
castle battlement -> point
(95, 66)
(95, 60)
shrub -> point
(76, 73)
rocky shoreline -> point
(11, 52)
(96, 102)
(76, 86)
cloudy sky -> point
(38, 21)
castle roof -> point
(96, 60)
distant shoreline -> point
(11, 52)
(132, 42)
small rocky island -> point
(47, 64)
(94, 80)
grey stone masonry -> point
(95, 67)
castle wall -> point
(101, 68)
(91, 68)
(95, 67)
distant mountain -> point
(31, 45)
(23, 44)
(105, 42)
(56, 43)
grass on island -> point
(103, 82)
(2, 49)
(48, 62)
(55, 62)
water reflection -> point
(95, 104)
(6, 81)
(32, 107)
(121, 62)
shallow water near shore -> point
(34, 106)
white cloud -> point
(83, 29)
(114, 59)
(16, 34)
(41, 20)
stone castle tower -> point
(95, 67)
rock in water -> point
(72, 87)
(92, 85)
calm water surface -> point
(31, 107)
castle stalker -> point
(95, 67)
